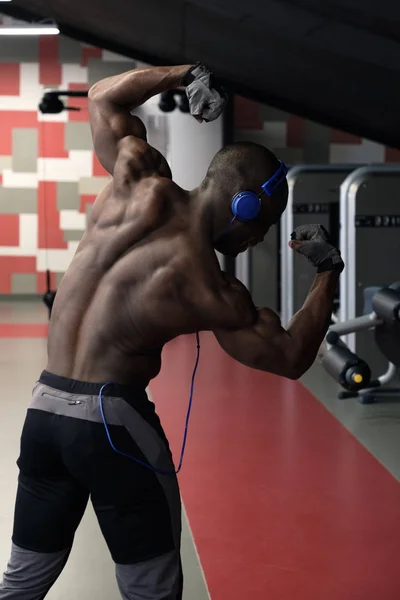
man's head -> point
(244, 166)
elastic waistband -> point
(73, 386)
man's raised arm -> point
(112, 99)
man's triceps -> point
(264, 345)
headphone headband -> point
(273, 182)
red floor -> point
(283, 501)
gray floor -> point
(376, 426)
(89, 573)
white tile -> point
(20, 180)
(28, 234)
(79, 164)
(60, 118)
(73, 73)
(72, 219)
(56, 260)
(15, 251)
(82, 161)
(30, 77)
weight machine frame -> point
(379, 386)
(348, 198)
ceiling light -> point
(29, 29)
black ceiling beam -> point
(361, 20)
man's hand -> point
(206, 98)
(314, 243)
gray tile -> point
(194, 583)
(89, 208)
(269, 113)
(376, 426)
(249, 135)
(59, 277)
(109, 56)
(78, 136)
(14, 201)
(20, 310)
(72, 235)
(5, 162)
(290, 156)
(98, 69)
(70, 51)
(25, 150)
(23, 283)
(68, 195)
(317, 143)
(19, 49)
(92, 185)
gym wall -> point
(299, 141)
(49, 174)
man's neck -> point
(209, 224)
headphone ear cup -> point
(246, 206)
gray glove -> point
(314, 243)
(206, 98)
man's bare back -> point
(146, 269)
(131, 286)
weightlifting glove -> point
(206, 98)
(313, 241)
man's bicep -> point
(264, 345)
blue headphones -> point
(246, 206)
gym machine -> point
(351, 371)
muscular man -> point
(144, 273)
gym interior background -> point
(289, 492)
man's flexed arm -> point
(112, 99)
(264, 344)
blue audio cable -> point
(185, 434)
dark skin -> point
(146, 271)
